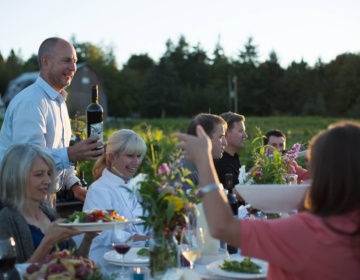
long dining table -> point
(203, 273)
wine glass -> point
(192, 243)
(123, 239)
(7, 256)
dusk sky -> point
(295, 30)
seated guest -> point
(112, 190)
(322, 242)
(215, 128)
(27, 193)
(277, 139)
(230, 162)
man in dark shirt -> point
(235, 137)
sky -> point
(295, 30)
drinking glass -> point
(7, 256)
(123, 240)
(192, 243)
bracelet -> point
(209, 188)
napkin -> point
(211, 245)
(242, 212)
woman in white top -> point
(113, 188)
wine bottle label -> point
(97, 129)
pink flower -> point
(258, 173)
(164, 168)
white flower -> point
(244, 177)
(135, 183)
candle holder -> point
(140, 273)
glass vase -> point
(163, 253)
(291, 179)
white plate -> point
(131, 258)
(215, 269)
(21, 268)
(86, 227)
(274, 198)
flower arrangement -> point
(163, 200)
(165, 210)
(269, 169)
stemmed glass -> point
(7, 256)
(192, 243)
(123, 240)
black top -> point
(228, 164)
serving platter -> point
(97, 226)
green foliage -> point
(186, 80)
(268, 169)
(163, 199)
(161, 145)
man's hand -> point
(79, 192)
(86, 149)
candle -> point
(139, 273)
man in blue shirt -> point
(38, 114)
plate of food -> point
(274, 198)
(136, 256)
(95, 220)
(62, 265)
(239, 268)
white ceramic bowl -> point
(274, 198)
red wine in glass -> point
(122, 248)
(123, 239)
(7, 256)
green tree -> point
(140, 64)
(250, 53)
(270, 72)
(31, 64)
(249, 90)
(294, 88)
(3, 81)
(161, 95)
(343, 85)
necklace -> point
(118, 173)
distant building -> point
(79, 92)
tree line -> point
(187, 80)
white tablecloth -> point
(204, 274)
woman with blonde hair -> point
(113, 188)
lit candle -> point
(138, 274)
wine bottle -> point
(229, 185)
(94, 115)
